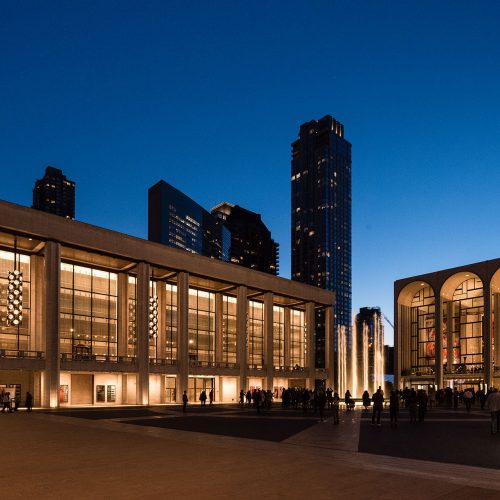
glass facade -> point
(88, 322)
(255, 334)
(14, 337)
(171, 322)
(423, 330)
(297, 338)
(228, 329)
(176, 220)
(201, 326)
(467, 324)
(278, 336)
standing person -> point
(455, 398)
(6, 402)
(349, 403)
(493, 404)
(422, 404)
(242, 397)
(413, 406)
(184, 402)
(17, 402)
(336, 405)
(203, 398)
(378, 406)
(211, 396)
(29, 401)
(305, 400)
(320, 402)
(249, 397)
(432, 396)
(366, 400)
(329, 398)
(468, 399)
(394, 408)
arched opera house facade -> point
(92, 316)
(446, 328)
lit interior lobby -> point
(90, 316)
(463, 304)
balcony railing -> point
(212, 364)
(162, 362)
(294, 368)
(21, 353)
(102, 358)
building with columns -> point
(446, 324)
(92, 316)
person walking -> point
(320, 403)
(184, 402)
(394, 408)
(336, 408)
(211, 396)
(378, 406)
(493, 404)
(412, 406)
(29, 401)
(203, 398)
(467, 399)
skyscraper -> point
(321, 216)
(55, 194)
(176, 220)
(251, 242)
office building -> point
(176, 220)
(251, 242)
(96, 317)
(446, 328)
(55, 194)
(321, 216)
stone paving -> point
(108, 455)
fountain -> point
(361, 367)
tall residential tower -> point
(55, 194)
(321, 217)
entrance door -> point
(169, 389)
(82, 388)
(198, 384)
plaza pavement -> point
(158, 452)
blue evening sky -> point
(209, 96)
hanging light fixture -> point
(153, 317)
(132, 338)
(15, 294)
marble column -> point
(142, 329)
(52, 278)
(241, 334)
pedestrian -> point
(493, 404)
(211, 396)
(249, 397)
(17, 402)
(366, 400)
(455, 398)
(29, 401)
(320, 404)
(422, 404)
(467, 399)
(378, 406)
(242, 397)
(394, 408)
(203, 398)
(336, 405)
(412, 406)
(184, 402)
(6, 402)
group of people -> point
(7, 401)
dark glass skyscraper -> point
(176, 220)
(321, 216)
(55, 194)
(251, 242)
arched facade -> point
(445, 327)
